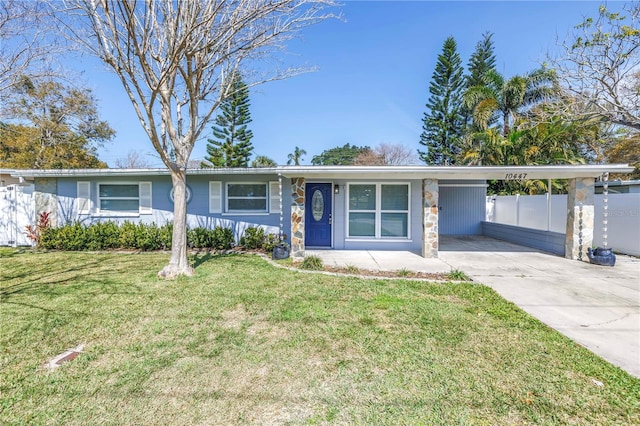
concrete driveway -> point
(596, 306)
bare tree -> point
(387, 155)
(25, 48)
(132, 160)
(175, 61)
(599, 68)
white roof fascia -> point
(454, 172)
(139, 172)
(361, 172)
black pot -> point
(280, 251)
(601, 256)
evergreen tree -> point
(482, 60)
(442, 124)
(481, 63)
(339, 156)
(232, 145)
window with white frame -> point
(247, 197)
(378, 210)
(124, 197)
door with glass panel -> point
(318, 215)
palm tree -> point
(263, 161)
(505, 99)
(296, 156)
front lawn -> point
(244, 342)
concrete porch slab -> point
(380, 260)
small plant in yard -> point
(404, 272)
(457, 275)
(313, 263)
(33, 232)
(351, 269)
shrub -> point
(270, 241)
(72, 237)
(50, 238)
(148, 237)
(313, 263)
(127, 238)
(253, 238)
(132, 236)
(102, 236)
(218, 238)
(166, 236)
(200, 237)
(256, 238)
(223, 238)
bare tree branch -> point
(387, 155)
(599, 68)
(27, 48)
(133, 160)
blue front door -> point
(317, 220)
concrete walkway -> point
(596, 306)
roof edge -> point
(416, 172)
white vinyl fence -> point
(17, 210)
(531, 211)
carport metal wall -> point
(462, 206)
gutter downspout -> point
(549, 193)
(281, 235)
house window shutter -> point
(84, 197)
(274, 197)
(145, 198)
(215, 197)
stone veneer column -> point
(45, 198)
(430, 218)
(297, 218)
(580, 214)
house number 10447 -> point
(515, 176)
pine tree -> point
(442, 124)
(232, 145)
(482, 60)
(481, 63)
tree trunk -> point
(506, 129)
(179, 262)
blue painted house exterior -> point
(146, 196)
(331, 207)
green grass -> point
(244, 342)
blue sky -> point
(373, 75)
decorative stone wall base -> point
(580, 218)
(430, 237)
(297, 218)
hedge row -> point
(147, 237)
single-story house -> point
(332, 207)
